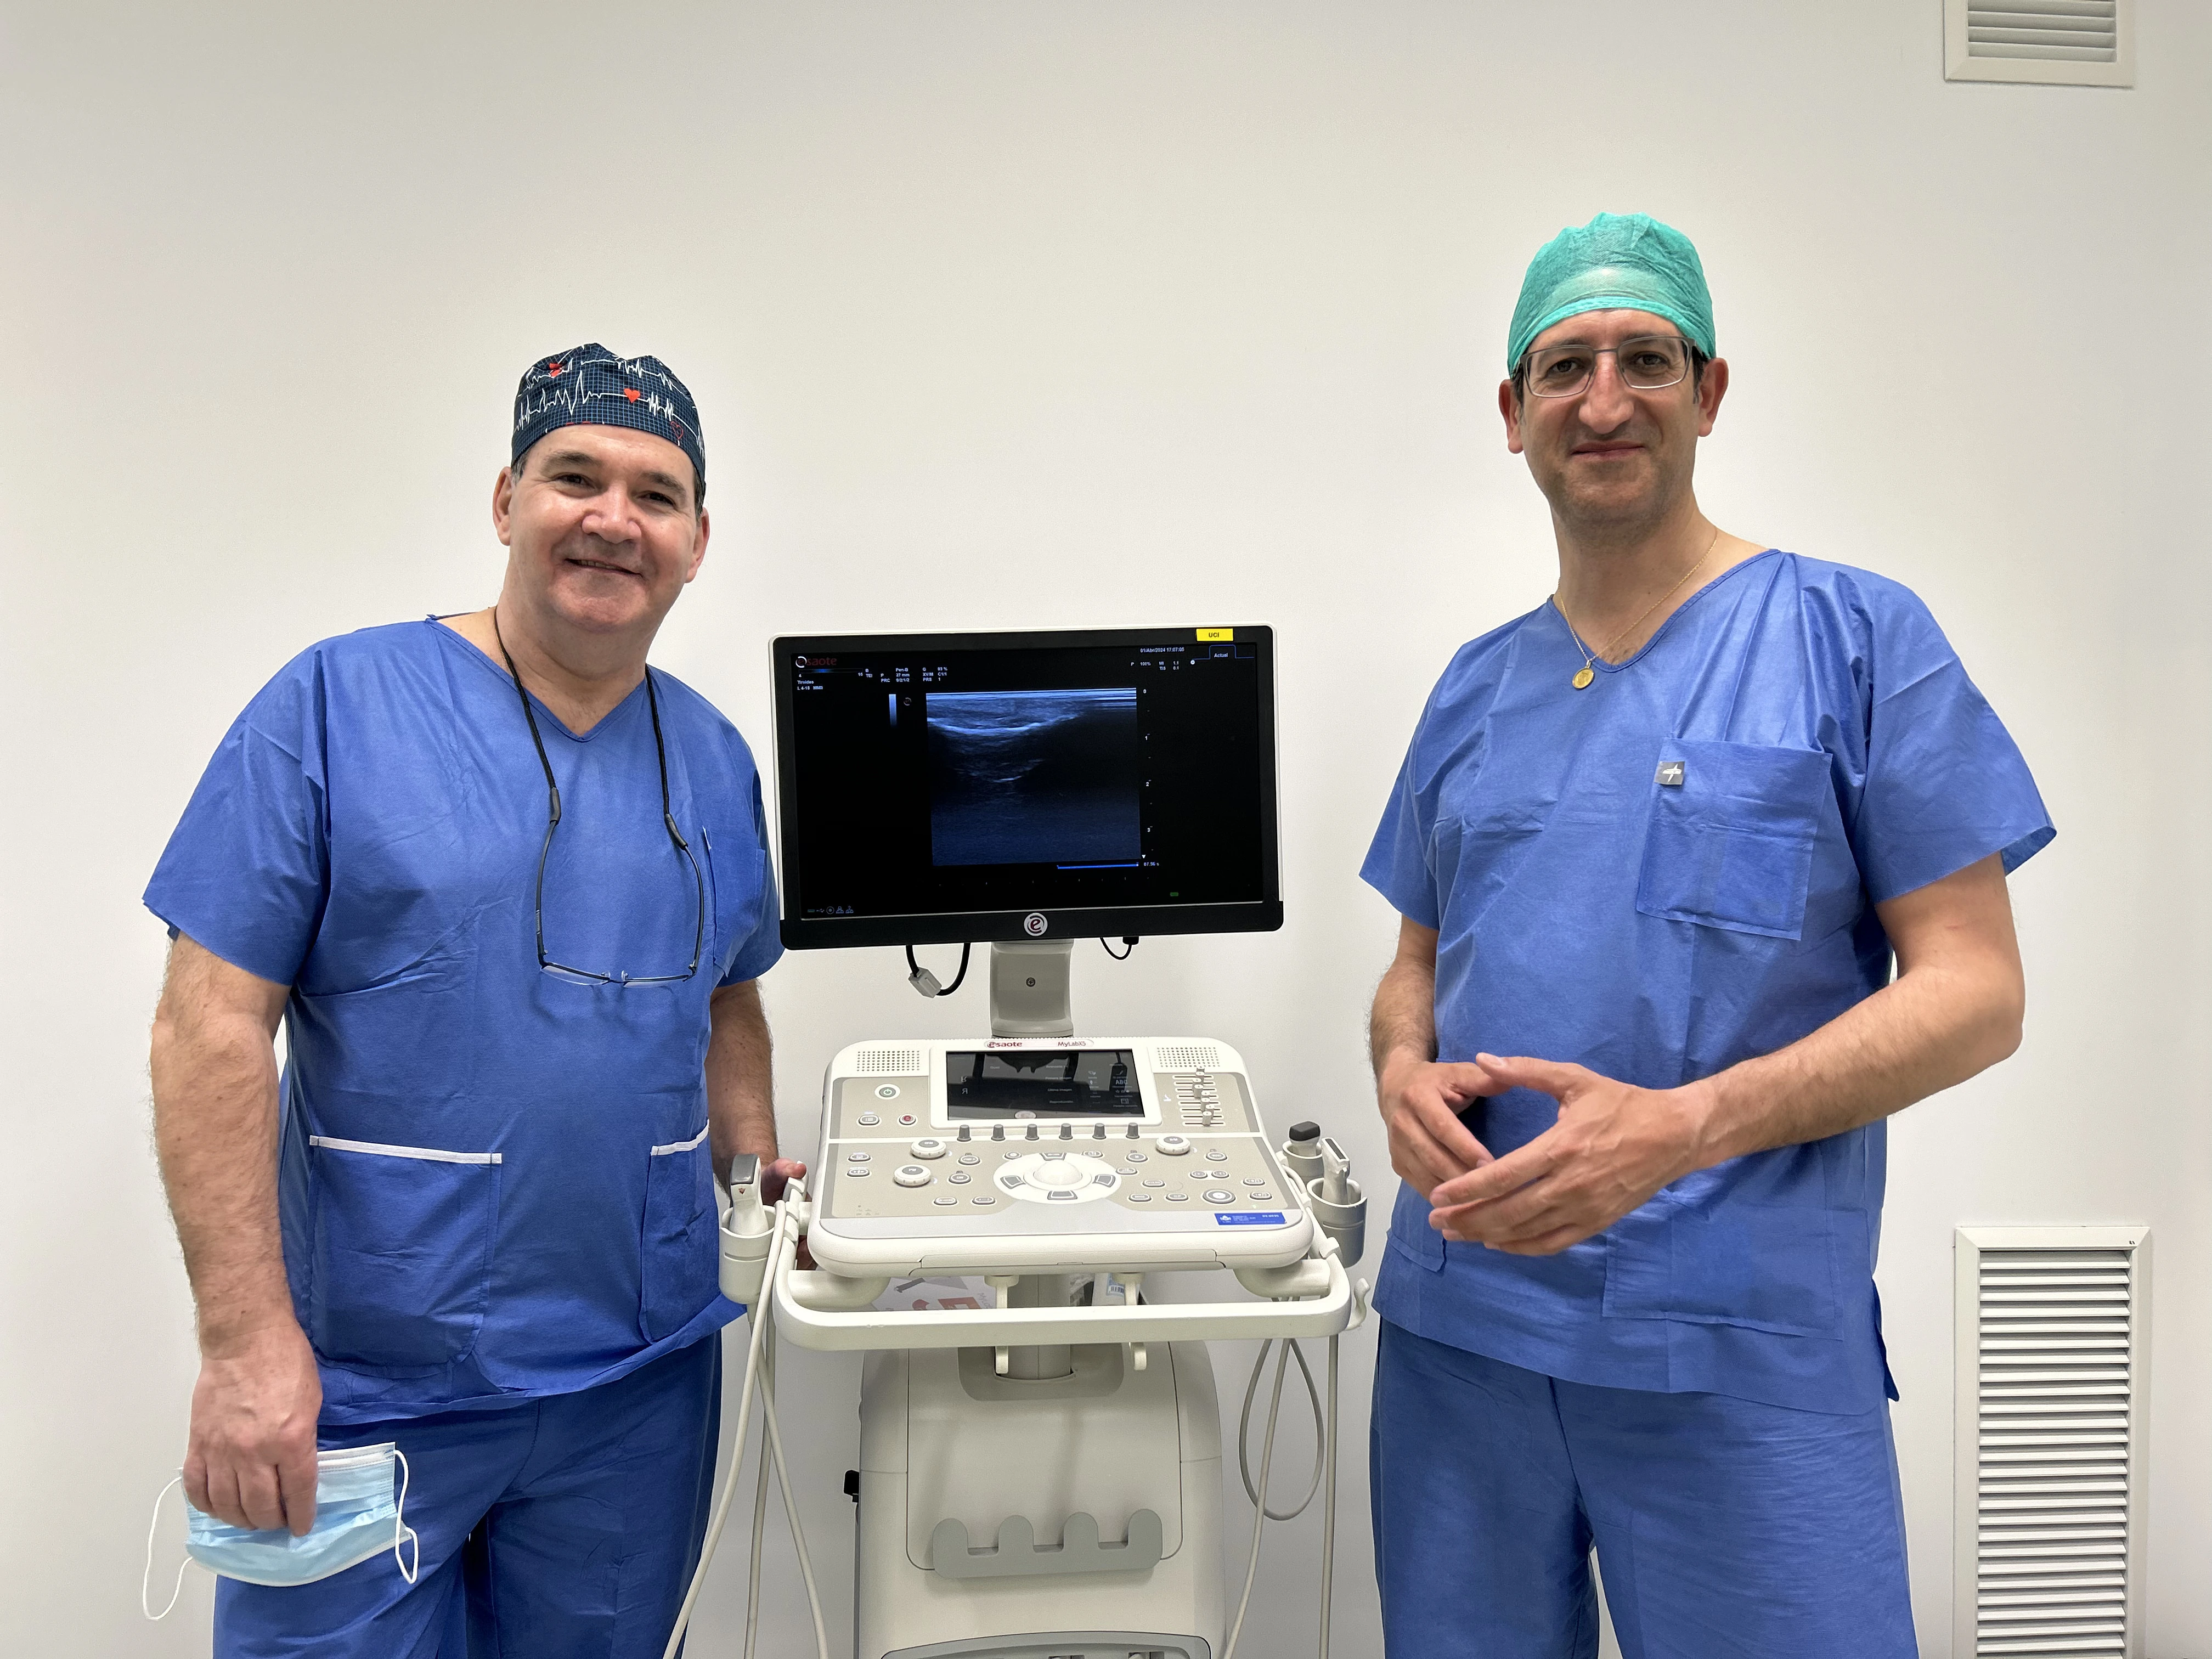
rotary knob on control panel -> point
(911, 1175)
(1173, 1146)
(926, 1149)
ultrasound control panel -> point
(1049, 1154)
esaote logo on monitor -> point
(1034, 924)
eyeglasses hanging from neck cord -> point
(553, 823)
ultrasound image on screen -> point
(1035, 777)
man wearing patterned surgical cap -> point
(506, 888)
(1658, 844)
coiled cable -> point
(1244, 1428)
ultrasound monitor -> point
(939, 788)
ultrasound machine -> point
(1040, 1472)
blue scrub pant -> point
(556, 1530)
(1724, 1527)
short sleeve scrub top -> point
(1660, 876)
(495, 1181)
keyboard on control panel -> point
(912, 1177)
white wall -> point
(1019, 314)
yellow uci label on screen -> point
(1217, 633)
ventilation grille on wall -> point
(2051, 1388)
(891, 1062)
(2086, 43)
(1187, 1056)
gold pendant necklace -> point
(1587, 673)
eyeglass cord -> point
(553, 808)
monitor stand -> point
(1029, 988)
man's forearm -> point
(1931, 1027)
(215, 1130)
(740, 1078)
(1955, 1009)
(1403, 1025)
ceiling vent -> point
(2074, 43)
(2052, 1389)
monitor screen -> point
(941, 787)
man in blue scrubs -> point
(508, 892)
(1653, 848)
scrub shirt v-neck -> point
(1660, 876)
(496, 1182)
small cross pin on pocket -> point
(1670, 774)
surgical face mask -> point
(357, 1514)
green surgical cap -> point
(1617, 262)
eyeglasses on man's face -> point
(1647, 362)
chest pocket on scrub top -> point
(402, 1240)
(1731, 844)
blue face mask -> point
(357, 1514)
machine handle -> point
(1337, 1308)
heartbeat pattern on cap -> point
(589, 386)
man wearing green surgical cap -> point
(1656, 847)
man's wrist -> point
(1394, 1062)
(1702, 1110)
(237, 1336)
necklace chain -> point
(1588, 670)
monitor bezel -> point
(1262, 915)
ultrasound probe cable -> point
(1324, 1471)
(780, 1239)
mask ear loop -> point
(400, 1528)
(146, 1579)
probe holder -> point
(744, 1234)
(1018, 1554)
(1346, 1223)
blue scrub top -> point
(495, 1181)
(1832, 755)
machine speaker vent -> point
(2083, 43)
(1187, 1056)
(2051, 1388)
(891, 1062)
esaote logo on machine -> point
(1034, 924)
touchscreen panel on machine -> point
(936, 788)
(1078, 1083)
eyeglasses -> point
(1647, 362)
(553, 823)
